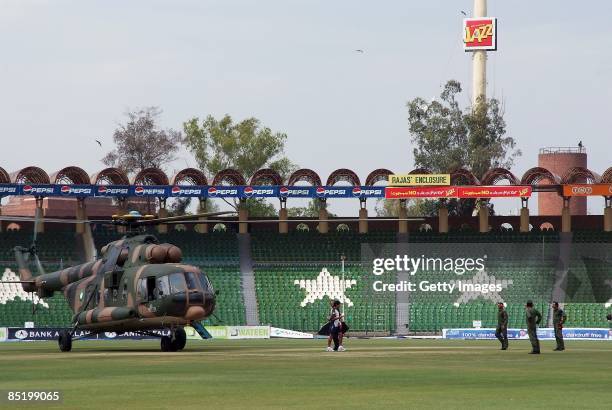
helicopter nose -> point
(195, 313)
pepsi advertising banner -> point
(543, 333)
(149, 190)
(40, 190)
(77, 190)
(112, 190)
(9, 189)
(195, 191)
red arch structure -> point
(606, 178)
(380, 174)
(151, 176)
(576, 174)
(306, 175)
(189, 176)
(462, 176)
(70, 175)
(495, 175)
(343, 175)
(534, 175)
(5, 178)
(30, 175)
(110, 176)
(230, 176)
(266, 176)
(419, 171)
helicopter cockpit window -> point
(204, 281)
(177, 282)
(142, 289)
(163, 286)
(192, 282)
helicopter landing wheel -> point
(167, 345)
(180, 339)
(64, 341)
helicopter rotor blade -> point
(52, 220)
(255, 221)
(181, 218)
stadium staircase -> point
(248, 279)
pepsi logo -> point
(139, 190)
(283, 191)
(320, 191)
(102, 190)
(357, 191)
(27, 189)
(212, 191)
(65, 190)
(248, 191)
(175, 190)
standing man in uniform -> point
(559, 319)
(533, 317)
(501, 332)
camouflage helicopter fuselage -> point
(137, 285)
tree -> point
(246, 146)
(309, 211)
(141, 143)
(447, 137)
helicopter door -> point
(151, 294)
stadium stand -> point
(283, 264)
(56, 251)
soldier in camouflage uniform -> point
(533, 317)
(501, 332)
(559, 319)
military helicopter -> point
(137, 285)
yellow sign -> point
(419, 179)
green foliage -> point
(447, 137)
(259, 207)
(309, 211)
(245, 146)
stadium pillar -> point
(283, 227)
(81, 214)
(202, 228)
(443, 219)
(121, 210)
(524, 219)
(243, 217)
(363, 218)
(403, 215)
(608, 215)
(483, 217)
(163, 213)
(566, 216)
(323, 223)
(39, 214)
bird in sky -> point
(99, 143)
(359, 50)
(464, 13)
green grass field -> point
(300, 374)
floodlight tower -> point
(479, 61)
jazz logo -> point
(480, 34)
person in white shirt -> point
(335, 327)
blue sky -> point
(70, 69)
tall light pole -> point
(479, 62)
